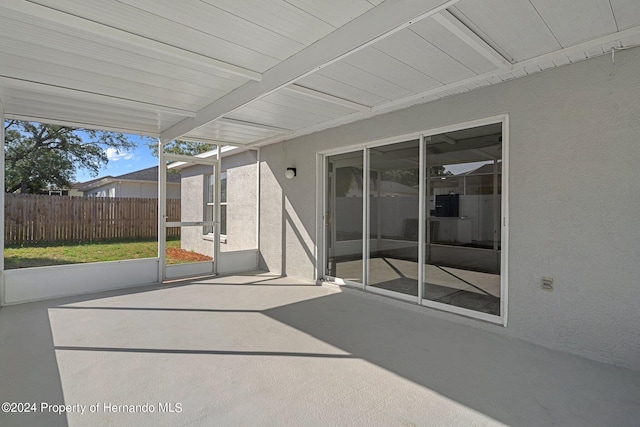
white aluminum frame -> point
(200, 268)
(321, 244)
(2, 192)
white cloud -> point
(114, 155)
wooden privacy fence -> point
(35, 218)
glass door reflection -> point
(393, 217)
(463, 210)
(343, 218)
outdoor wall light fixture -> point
(290, 173)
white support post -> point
(217, 171)
(162, 212)
(257, 206)
(2, 193)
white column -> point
(217, 171)
(162, 211)
(2, 192)
(258, 206)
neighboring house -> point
(138, 184)
(238, 204)
(76, 188)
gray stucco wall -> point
(193, 184)
(241, 172)
(574, 200)
(242, 201)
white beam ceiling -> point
(326, 97)
(72, 21)
(382, 21)
(251, 125)
(453, 24)
(84, 69)
(30, 86)
(539, 63)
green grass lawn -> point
(58, 254)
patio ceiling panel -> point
(513, 27)
(80, 113)
(30, 13)
(282, 116)
(54, 69)
(626, 13)
(278, 16)
(338, 88)
(57, 105)
(290, 110)
(33, 69)
(376, 24)
(412, 60)
(364, 79)
(231, 133)
(411, 49)
(388, 68)
(334, 12)
(193, 26)
(88, 119)
(570, 24)
(53, 43)
(40, 102)
(285, 67)
(443, 39)
(304, 104)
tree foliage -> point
(411, 177)
(348, 175)
(39, 156)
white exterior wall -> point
(574, 191)
(192, 206)
(241, 170)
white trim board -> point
(40, 283)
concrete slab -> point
(255, 349)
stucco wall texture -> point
(242, 203)
(574, 200)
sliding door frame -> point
(321, 243)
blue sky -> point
(123, 162)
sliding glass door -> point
(343, 216)
(463, 210)
(394, 192)
(432, 219)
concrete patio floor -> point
(255, 349)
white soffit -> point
(254, 72)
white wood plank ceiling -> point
(253, 72)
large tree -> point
(39, 156)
